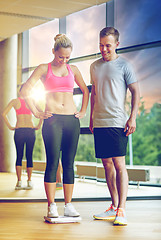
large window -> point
(83, 28)
(138, 21)
(147, 135)
(41, 42)
(84, 68)
(147, 64)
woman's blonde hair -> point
(61, 40)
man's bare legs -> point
(121, 180)
(110, 174)
(117, 180)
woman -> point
(24, 134)
(61, 126)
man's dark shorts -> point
(110, 142)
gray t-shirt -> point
(111, 80)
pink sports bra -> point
(59, 84)
(23, 109)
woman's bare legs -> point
(29, 173)
(68, 192)
(50, 189)
(19, 172)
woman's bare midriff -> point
(60, 103)
(24, 121)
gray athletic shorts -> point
(110, 142)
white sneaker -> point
(18, 185)
(69, 211)
(29, 185)
(52, 211)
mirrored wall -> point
(140, 43)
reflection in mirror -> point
(143, 151)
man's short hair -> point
(110, 31)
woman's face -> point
(62, 55)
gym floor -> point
(25, 221)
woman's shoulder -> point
(74, 69)
(72, 66)
(43, 67)
(15, 102)
(40, 71)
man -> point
(110, 77)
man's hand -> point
(130, 126)
(79, 114)
(91, 126)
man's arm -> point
(92, 107)
(130, 126)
